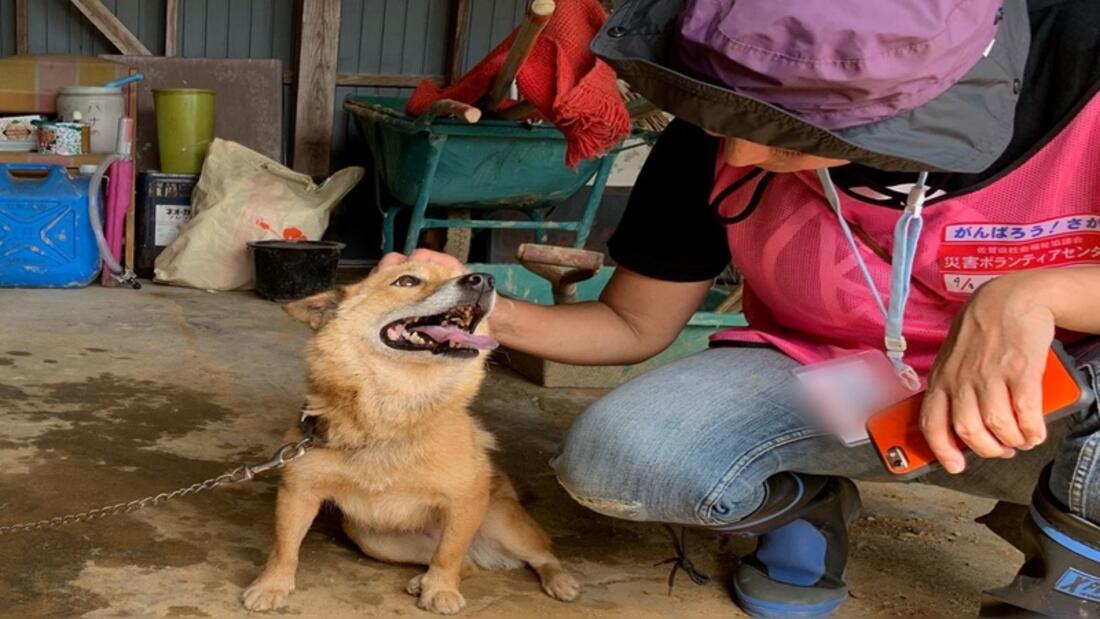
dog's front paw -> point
(264, 595)
(442, 601)
(413, 586)
(559, 584)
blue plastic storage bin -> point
(46, 239)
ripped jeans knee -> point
(614, 507)
(631, 475)
(587, 482)
(658, 494)
(688, 443)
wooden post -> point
(115, 31)
(21, 27)
(319, 37)
(459, 29)
(171, 26)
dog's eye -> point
(406, 281)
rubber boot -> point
(799, 564)
(1061, 572)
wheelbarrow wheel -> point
(459, 239)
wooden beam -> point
(384, 79)
(459, 37)
(388, 80)
(111, 27)
(171, 26)
(317, 51)
(21, 27)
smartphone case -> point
(896, 435)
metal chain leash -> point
(282, 456)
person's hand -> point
(986, 386)
(423, 255)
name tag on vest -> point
(972, 254)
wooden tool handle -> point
(450, 107)
(538, 14)
(554, 255)
(542, 8)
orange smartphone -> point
(895, 432)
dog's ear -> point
(317, 310)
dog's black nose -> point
(477, 281)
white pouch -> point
(842, 394)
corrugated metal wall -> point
(376, 36)
(409, 37)
(57, 27)
(398, 35)
(7, 27)
(238, 29)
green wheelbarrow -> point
(489, 166)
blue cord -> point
(906, 237)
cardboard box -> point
(17, 132)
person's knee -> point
(617, 466)
(585, 465)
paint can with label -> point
(163, 207)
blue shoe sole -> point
(767, 609)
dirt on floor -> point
(110, 395)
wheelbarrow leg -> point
(388, 222)
(541, 235)
(416, 223)
(389, 213)
(594, 199)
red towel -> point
(561, 78)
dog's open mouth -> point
(449, 333)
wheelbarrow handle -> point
(538, 15)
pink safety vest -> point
(805, 295)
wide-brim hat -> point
(896, 85)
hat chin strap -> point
(906, 236)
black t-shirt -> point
(669, 232)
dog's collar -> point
(308, 425)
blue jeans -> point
(692, 443)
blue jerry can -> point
(46, 239)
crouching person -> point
(920, 183)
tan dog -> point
(393, 369)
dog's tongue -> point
(459, 336)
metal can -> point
(62, 138)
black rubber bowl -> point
(289, 270)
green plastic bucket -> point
(185, 128)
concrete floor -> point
(109, 395)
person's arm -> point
(668, 248)
(986, 388)
(1074, 297)
(635, 318)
